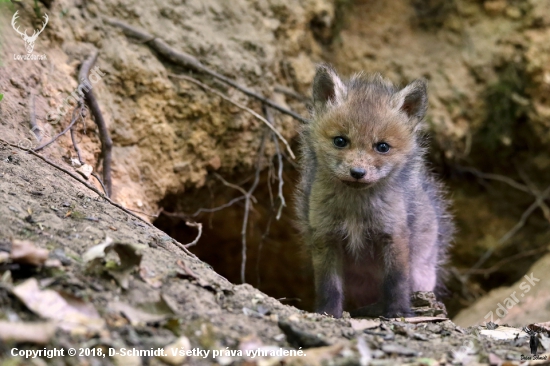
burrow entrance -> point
(276, 262)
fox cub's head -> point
(364, 129)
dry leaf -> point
(364, 351)
(422, 319)
(362, 324)
(188, 272)
(135, 316)
(71, 314)
(40, 333)
(164, 306)
(97, 251)
(129, 254)
(4, 257)
(154, 280)
(24, 251)
(53, 263)
(504, 333)
(85, 170)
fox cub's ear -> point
(328, 88)
(413, 100)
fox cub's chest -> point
(352, 221)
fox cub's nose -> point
(357, 173)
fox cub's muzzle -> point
(357, 173)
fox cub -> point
(374, 219)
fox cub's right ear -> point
(328, 88)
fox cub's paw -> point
(334, 311)
(398, 312)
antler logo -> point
(29, 40)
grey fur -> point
(378, 242)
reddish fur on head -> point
(366, 112)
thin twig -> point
(497, 177)
(73, 135)
(269, 117)
(291, 93)
(231, 185)
(143, 213)
(495, 267)
(234, 200)
(73, 121)
(535, 192)
(270, 178)
(75, 145)
(281, 181)
(540, 198)
(96, 176)
(198, 225)
(106, 143)
(189, 61)
(223, 96)
(260, 247)
(32, 119)
(247, 206)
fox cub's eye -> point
(382, 147)
(340, 141)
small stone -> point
(294, 318)
(397, 349)
(85, 170)
(495, 7)
(513, 12)
(181, 344)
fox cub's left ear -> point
(328, 88)
(413, 100)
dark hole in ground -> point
(276, 262)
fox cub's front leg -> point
(397, 285)
(327, 268)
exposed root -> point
(269, 117)
(106, 143)
(189, 61)
(247, 206)
(225, 97)
(74, 118)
